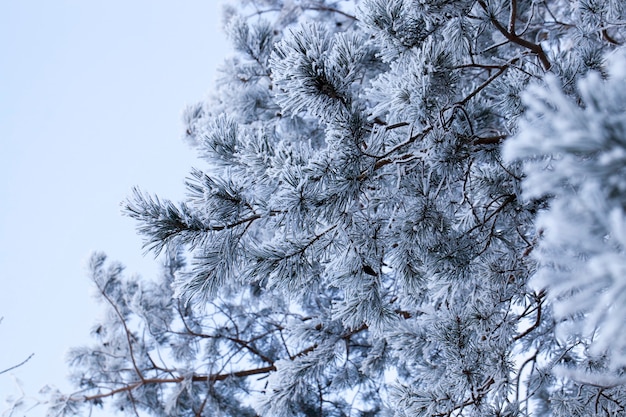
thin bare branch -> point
(18, 365)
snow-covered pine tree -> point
(356, 243)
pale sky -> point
(91, 94)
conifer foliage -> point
(404, 208)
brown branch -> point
(381, 163)
(245, 344)
(410, 140)
(196, 378)
(609, 38)
(486, 218)
(478, 66)
(309, 244)
(235, 224)
(482, 391)
(251, 348)
(126, 329)
(397, 125)
(384, 159)
(403, 314)
(512, 37)
(459, 104)
(509, 199)
(111, 393)
(485, 84)
(199, 378)
(355, 331)
(489, 140)
(530, 245)
(304, 352)
(238, 374)
(201, 409)
(539, 298)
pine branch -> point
(160, 381)
(512, 37)
(129, 387)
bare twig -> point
(332, 10)
(18, 365)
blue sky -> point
(91, 94)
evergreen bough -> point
(405, 208)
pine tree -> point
(407, 208)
